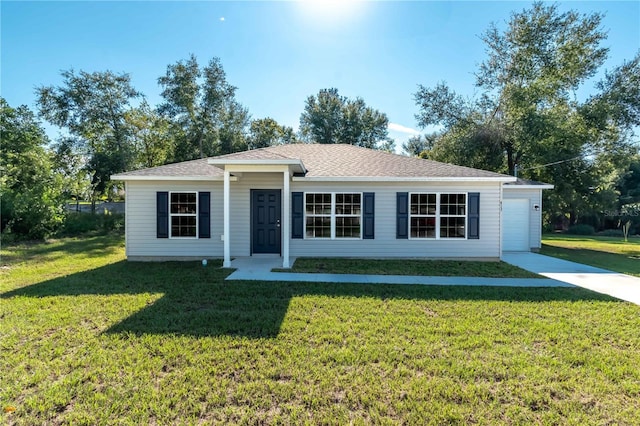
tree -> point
(150, 135)
(528, 119)
(30, 192)
(331, 118)
(265, 132)
(206, 119)
(92, 107)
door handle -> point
(278, 223)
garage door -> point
(515, 225)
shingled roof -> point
(324, 161)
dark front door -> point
(265, 221)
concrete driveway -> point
(615, 284)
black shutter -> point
(368, 215)
(297, 215)
(204, 214)
(162, 215)
(474, 216)
(402, 215)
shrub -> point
(581, 229)
(611, 233)
(77, 223)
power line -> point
(544, 165)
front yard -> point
(88, 338)
(603, 252)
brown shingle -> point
(329, 161)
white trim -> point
(543, 186)
(438, 216)
(197, 216)
(227, 221)
(169, 178)
(400, 179)
(127, 217)
(254, 162)
(333, 216)
(286, 205)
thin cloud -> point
(222, 19)
(402, 129)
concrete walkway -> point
(614, 284)
(259, 268)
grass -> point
(603, 252)
(438, 268)
(88, 338)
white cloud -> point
(395, 127)
(222, 19)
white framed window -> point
(333, 215)
(183, 214)
(438, 215)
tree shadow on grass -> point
(91, 246)
(198, 302)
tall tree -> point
(528, 115)
(150, 136)
(30, 191)
(265, 132)
(92, 107)
(330, 118)
(206, 118)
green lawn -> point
(436, 268)
(604, 252)
(88, 338)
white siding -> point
(385, 243)
(535, 217)
(141, 221)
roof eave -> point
(401, 179)
(168, 178)
(295, 165)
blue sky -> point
(276, 53)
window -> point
(438, 215)
(453, 211)
(331, 215)
(183, 211)
(423, 215)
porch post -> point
(227, 228)
(285, 221)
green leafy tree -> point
(150, 136)
(527, 119)
(30, 191)
(265, 132)
(206, 119)
(329, 118)
(92, 107)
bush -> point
(581, 229)
(611, 233)
(77, 223)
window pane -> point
(452, 227)
(318, 227)
(347, 227)
(453, 204)
(423, 227)
(318, 204)
(183, 202)
(183, 226)
(423, 204)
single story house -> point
(326, 201)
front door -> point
(265, 221)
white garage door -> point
(515, 225)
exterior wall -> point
(142, 243)
(535, 217)
(141, 223)
(385, 243)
